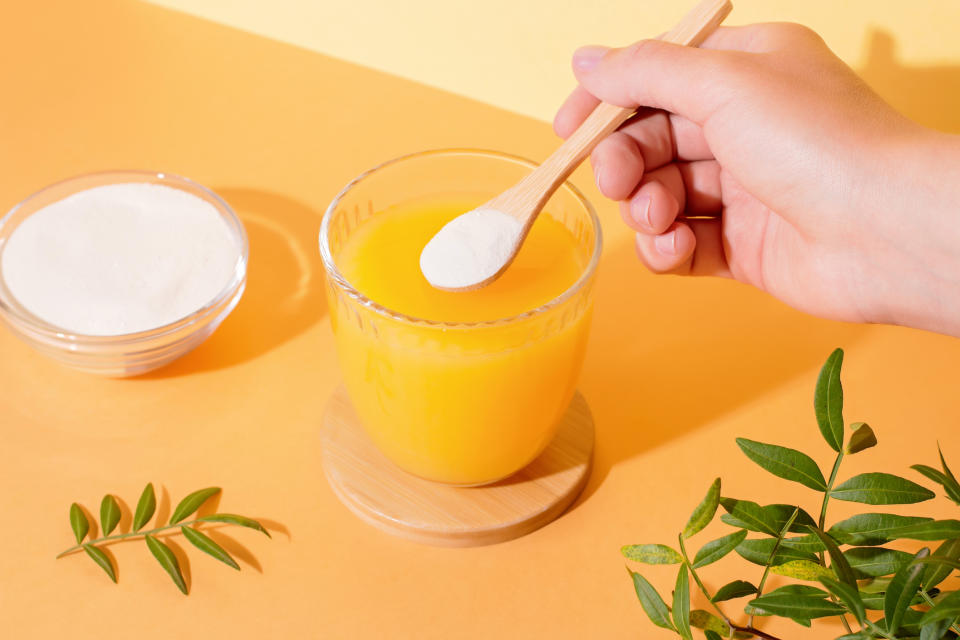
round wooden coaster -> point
(402, 504)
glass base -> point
(382, 494)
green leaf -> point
(838, 562)
(800, 590)
(710, 634)
(711, 624)
(828, 401)
(716, 549)
(797, 605)
(748, 515)
(862, 437)
(871, 528)
(949, 484)
(873, 562)
(781, 513)
(751, 610)
(731, 590)
(109, 514)
(881, 488)
(785, 463)
(146, 505)
(191, 503)
(651, 554)
(875, 600)
(208, 546)
(681, 604)
(936, 570)
(167, 560)
(877, 585)
(653, 605)
(704, 512)
(768, 519)
(935, 530)
(848, 595)
(758, 552)
(802, 570)
(952, 479)
(78, 522)
(909, 625)
(901, 591)
(934, 630)
(241, 521)
(931, 473)
(101, 559)
(947, 561)
(947, 608)
(809, 543)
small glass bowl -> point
(128, 354)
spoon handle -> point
(692, 30)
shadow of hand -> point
(928, 94)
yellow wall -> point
(515, 53)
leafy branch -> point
(146, 507)
(886, 592)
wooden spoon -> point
(475, 248)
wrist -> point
(917, 223)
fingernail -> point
(586, 58)
(598, 174)
(640, 211)
(666, 243)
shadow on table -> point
(928, 94)
(669, 355)
(283, 296)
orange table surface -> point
(676, 368)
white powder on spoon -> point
(470, 249)
(120, 258)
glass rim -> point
(330, 266)
(14, 312)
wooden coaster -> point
(402, 504)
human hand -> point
(827, 198)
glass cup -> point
(459, 403)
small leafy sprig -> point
(146, 506)
(864, 578)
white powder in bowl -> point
(470, 249)
(120, 258)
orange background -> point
(676, 368)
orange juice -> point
(382, 261)
(462, 390)
(467, 387)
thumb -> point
(688, 81)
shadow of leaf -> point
(92, 520)
(275, 527)
(126, 516)
(162, 513)
(235, 549)
(209, 506)
(182, 559)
